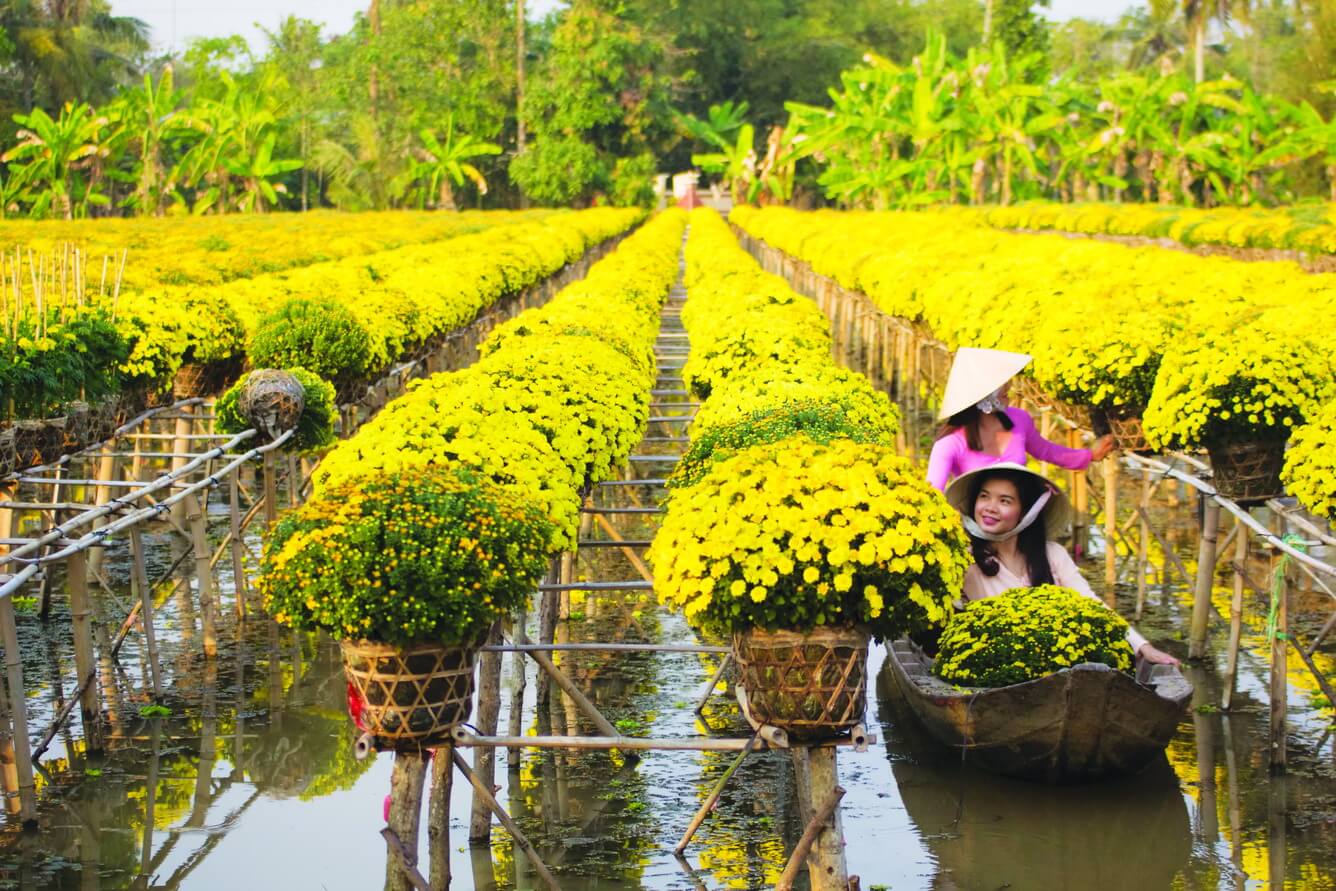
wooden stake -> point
(410, 769)
(1280, 652)
(518, 682)
(1201, 601)
(484, 757)
(438, 816)
(240, 584)
(1110, 525)
(181, 445)
(1235, 616)
(139, 581)
(85, 665)
(208, 603)
(1143, 543)
(19, 715)
(817, 781)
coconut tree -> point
(1198, 14)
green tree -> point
(599, 95)
(445, 162)
(1197, 16)
(55, 157)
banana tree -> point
(53, 157)
(444, 163)
(151, 118)
(736, 163)
(1312, 135)
(721, 123)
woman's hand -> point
(1101, 448)
(1156, 656)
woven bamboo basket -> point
(812, 684)
(1248, 472)
(1124, 422)
(409, 697)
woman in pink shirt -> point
(1012, 515)
(981, 429)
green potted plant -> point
(408, 571)
(1238, 391)
(800, 551)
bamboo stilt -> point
(240, 584)
(1279, 697)
(484, 757)
(1201, 602)
(1110, 526)
(9, 636)
(817, 782)
(518, 682)
(185, 428)
(85, 665)
(410, 769)
(438, 816)
(1143, 543)
(208, 604)
(105, 472)
(1235, 617)
(144, 594)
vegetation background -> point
(445, 103)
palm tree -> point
(1197, 14)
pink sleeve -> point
(942, 461)
(1066, 574)
(1050, 452)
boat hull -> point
(1076, 725)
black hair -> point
(968, 420)
(1032, 542)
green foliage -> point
(315, 427)
(420, 555)
(819, 420)
(1019, 29)
(557, 170)
(599, 95)
(152, 710)
(45, 365)
(321, 336)
(1026, 633)
(633, 181)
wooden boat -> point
(1075, 725)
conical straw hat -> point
(1057, 514)
(975, 373)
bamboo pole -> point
(521, 841)
(185, 431)
(715, 792)
(518, 682)
(1110, 526)
(1201, 601)
(817, 782)
(18, 715)
(270, 490)
(807, 839)
(85, 665)
(406, 783)
(1279, 676)
(1143, 543)
(240, 583)
(484, 758)
(208, 603)
(106, 471)
(139, 582)
(1235, 617)
(438, 816)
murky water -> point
(251, 782)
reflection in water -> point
(988, 832)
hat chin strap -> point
(974, 529)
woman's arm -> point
(942, 461)
(1066, 574)
(1045, 450)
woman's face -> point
(998, 508)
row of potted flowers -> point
(438, 516)
(1209, 352)
(792, 525)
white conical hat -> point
(975, 373)
(1057, 514)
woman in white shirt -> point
(1013, 515)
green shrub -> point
(821, 421)
(420, 555)
(319, 335)
(74, 359)
(315, 427)
(1026, 633)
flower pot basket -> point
(1248, 472)
(1125, 424)
(408, 697)
(811, 685)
